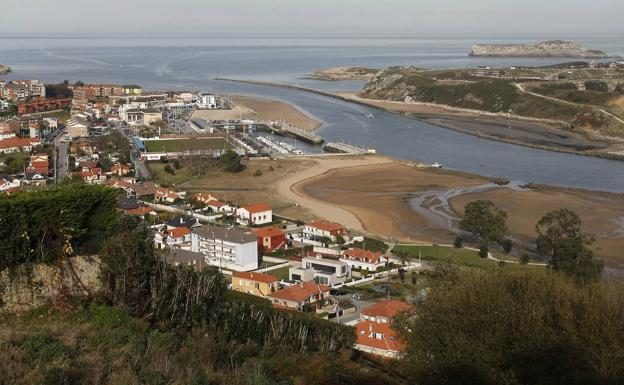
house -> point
(318, 230)
(187, 222)
(139, 190)
(270, 238)
(127, 203)
(218, 206)
(132, 89)
(120, 169)
(233, 249)
(299, 295)
(384, 311)
(15, 144)
(374, 333)
(256, 214)
(322, 270)
(178, 236)
(254, 283)
(186, 258)
(77, 127)
(166, 195)
(8, 184)
(39, 164)
(206, 101)
(364, 259)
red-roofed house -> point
(375, 334)
(384, 311)
(256, 214)
(298, 295)
(364, 259)
(218, 206)
(120, 169)
(166, 195)
(321, 229)
(16, 144)
(177, 236)
(141, 211)
(254, 283)
(270, 238)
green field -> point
(192, 144)
(281, 273)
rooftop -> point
(387, 308)
(259, 277)
(183, 256)
(300, 292)
(270, 231)
(235, 235)
(327, 226)
(257, 208)
(364, 336)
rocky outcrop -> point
(344, 73)
(553, 48)
(4, 69)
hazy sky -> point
(297, 18)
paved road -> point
(352, 318)
(140, 168)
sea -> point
(196, 63)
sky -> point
(319, 18)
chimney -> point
(370, 327)
(301, 284)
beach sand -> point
(263, 110)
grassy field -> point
(281, 273)
(14, 162)
(463, 257)
(177, 145)
(157, 169)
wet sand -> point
(261, 109)
(379, 197)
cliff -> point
(554, 48)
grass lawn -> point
(176, 145)
(281, 273)
(463, 257)
(398, 290)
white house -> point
(206, 101)
(320, 229)
(322, 270)
(257, 214)
(3, 104)
(9, 184)
(233, 249)
(364, 259)
(179, 237)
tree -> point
(525, 259)
(169, 170)
(483, 251)
(514, 327)
(458, 243)
(507, 245)
(230, 161)
(176, 164)
(485, 221)
(561, 238)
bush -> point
(257, 172)
(458, 242)
(483, 251)
(230, 161)
(525, 259)
(177, 165)
(597, 86)
(507, 245)
(169, 170)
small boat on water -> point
(370, 115)
(436, 165)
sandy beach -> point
(263, 110)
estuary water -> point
(193, 64)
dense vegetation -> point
(501, 327)
(43, 225)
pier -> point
(343, 148)
(302, 135)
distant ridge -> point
(551, 48)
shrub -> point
(169, 170)
(525, 258)
(176, 164)
(483, 251)
(42, 348)
(597, 86)
(458, 243)
(257, 172)
(507, 245)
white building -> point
(176, 237)
(364, 259)
(322, 270)
(257, 214)
(232, 249)
(3, 104)
(206, 101)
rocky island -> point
(4, 69)
(553, 48)
(344, 73)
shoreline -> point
(334, 190)
(471, 114)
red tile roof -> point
(18, 142)
(327, 226)
(270, 231)
(257, 208)
(387, 308)
(139, 211)
(259, 277)
(297, 293)
(365, 336)
(363, 255)
(178, 232)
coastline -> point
(441, 110)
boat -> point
(370, 115)
(436, 165)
